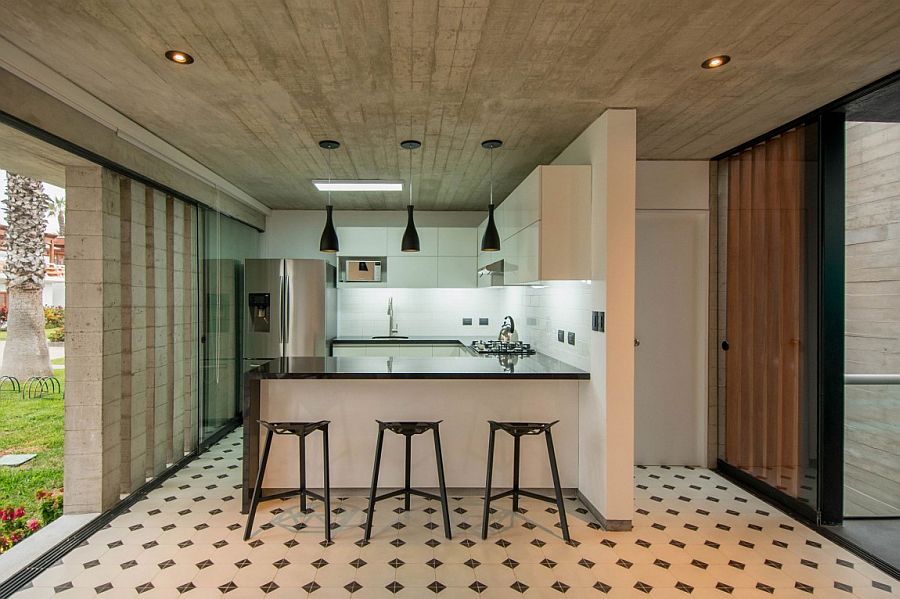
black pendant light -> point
(490, 242)
(329, 241)
(410, 241)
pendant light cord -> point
(491, 154)
(328, 160)
(410, 176)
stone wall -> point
(131, 324)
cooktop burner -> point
(492, 346)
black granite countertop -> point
(537, 366)
(420, 340)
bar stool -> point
(301, 430)
(518, 430)
(408, 429)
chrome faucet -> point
(391, 322)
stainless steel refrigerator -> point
(290, 308)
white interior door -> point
(670, 399)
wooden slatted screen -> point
(765, 308)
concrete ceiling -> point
(26, 155)
(272, 77)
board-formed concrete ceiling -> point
(272, 77)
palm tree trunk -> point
(26, 352)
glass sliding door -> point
(226, 243)
(872, 308)
(768, 406)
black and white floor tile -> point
(695, 535)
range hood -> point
(491, 275)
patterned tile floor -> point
(695, 534)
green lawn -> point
(3, 334)
(31, 426)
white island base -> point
(464, 406)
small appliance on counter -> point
(492, 347)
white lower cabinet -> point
(403, 350)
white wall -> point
(538, 313)
(606, 411)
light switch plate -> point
(571, 338)
(467, 322)
(560, 335)
(483, 322)
(598, 321)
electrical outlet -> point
(598, 321)
(560, 335)
(482, 322)
(467, 322)
(571, 338)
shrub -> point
(54, 316)
(56, 334)
(15, 526)
(4, 313)
(50, 504)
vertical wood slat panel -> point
(733, 328)
(764, 310)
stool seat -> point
(294, 428)
(519, 430)
(408, 430)
(522, 428)
(301, 430)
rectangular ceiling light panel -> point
(357, 185)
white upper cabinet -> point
(545, 229)
(428, 241)
(412, 270)
(457, 241)
(456, 271)
(363, 241)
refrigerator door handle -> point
(286, 307)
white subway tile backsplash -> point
(538, 311)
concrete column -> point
(93, 341)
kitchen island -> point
(463, 392)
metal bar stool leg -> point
(408, 470)
(445, 508)
(487, 485)
(257, 489)
(517, 446)
(374, 489)
(326, 493)
(302, 441)
(563, 522)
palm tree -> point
(58, 209)
(26, 353)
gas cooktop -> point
(494, 347)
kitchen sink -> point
(390, 337)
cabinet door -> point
(415, 350)
(528, 253)
(412, 271)
(348, 350)
(509, 253)
(457, 241)
(456, 272)
(428, 241)
(383, 349)
(363, 241)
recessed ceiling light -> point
(714, 62)
(357, 185)
(179, 57)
